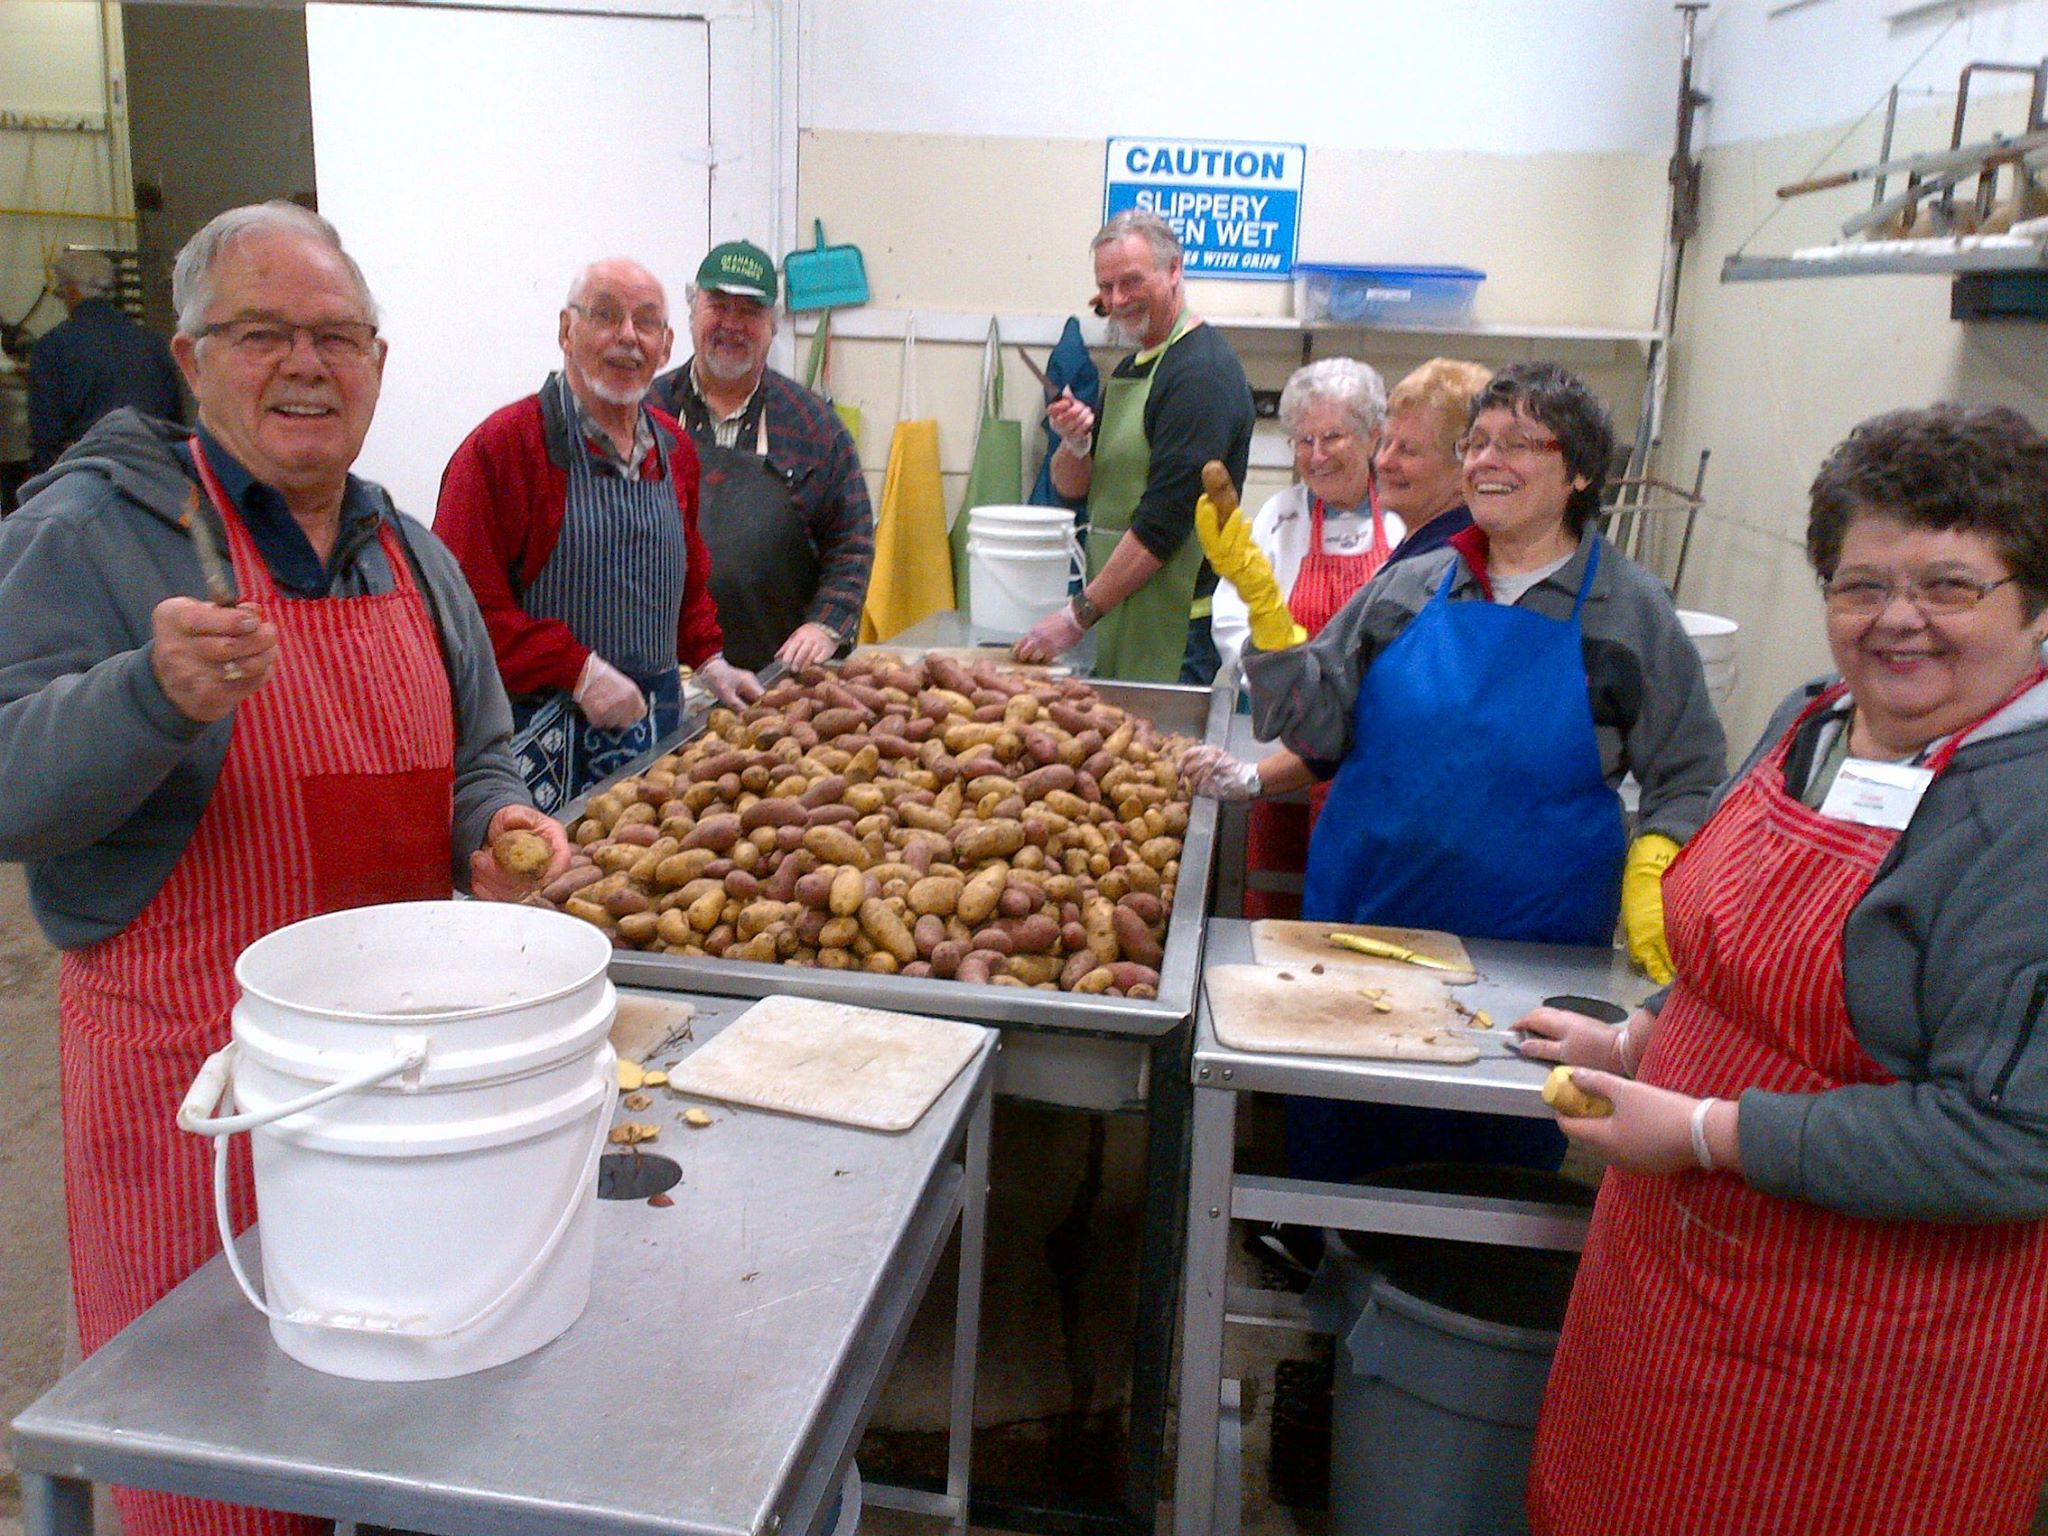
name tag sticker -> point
(1874, 794)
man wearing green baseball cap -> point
(785, 510)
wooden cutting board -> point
(646, 1026)
(1279, 941)
(830, 1061)
(1279, 1008)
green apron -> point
(1143, 638)
(995, 475)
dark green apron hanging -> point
(995, 475)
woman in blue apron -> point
(1478, 706)
(615, 579)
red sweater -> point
(500, 511)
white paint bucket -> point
(1714, 638)
(428, 1086)
(1019, 562)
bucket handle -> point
(205, 1094)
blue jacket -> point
(95, 362)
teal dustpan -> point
(825, 276)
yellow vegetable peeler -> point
(1381, 949)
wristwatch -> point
(1086, 614)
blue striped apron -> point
(615, 578)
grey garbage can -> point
(1443, 1352)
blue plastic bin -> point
(1329, 292)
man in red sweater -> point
(573, 513)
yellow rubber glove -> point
(1642, 904)
(1228, 544)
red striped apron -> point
(1735, 1362)
(337, 791)
(1276, 832)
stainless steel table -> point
(1103, 1055)
(716, 1386)
(1512, 979)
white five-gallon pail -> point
(1714, 638)
(428, 1086)
(1019, 560)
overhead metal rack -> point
(1941, 257)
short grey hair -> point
(1352, 386)
(89, 274)
(1149, 227)
(192, 275)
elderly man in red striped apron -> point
(324, 729)
(574, 515)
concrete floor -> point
(34, 1289)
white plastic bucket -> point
(1011, 586)
(428, 1086)
(1714, 638)
(1013, 520)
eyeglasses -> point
(1327, 442)
(647, 320)
(1515, 445)
(1936, 596)
(264, 340)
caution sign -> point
(1236, 207)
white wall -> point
(1492, 75)
(1771, 375)
(470, 206)
(1830, 61)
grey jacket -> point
(1651, 711)
(1945, 963)
(104, 778)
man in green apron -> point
(786, 512)
(1177, 402)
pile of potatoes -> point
(927, 818)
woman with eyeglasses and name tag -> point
(1474, 709)
(1814, 1297)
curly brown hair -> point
(1982, 469)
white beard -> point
(727, 369)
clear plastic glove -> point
(1557, 1034)
(608, 698)
(1052, 636)
(1642, 904)
(491, 881)
(1212, 771)
(1228, 544)
(1073, 423)
(733, 685)
(807, 646)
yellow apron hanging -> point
(913, 575)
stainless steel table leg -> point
(967, 1315)
(55, 1506)
(1202, 1306)
(1159, 1252)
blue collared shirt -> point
(276, 533)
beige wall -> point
(981, 224)
(1771, 375)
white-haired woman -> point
(1326, 534)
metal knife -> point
(1051, 392)
(1381, 949)
(213, 565)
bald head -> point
(614, 332)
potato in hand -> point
(1570, 1100)
(522, 854)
